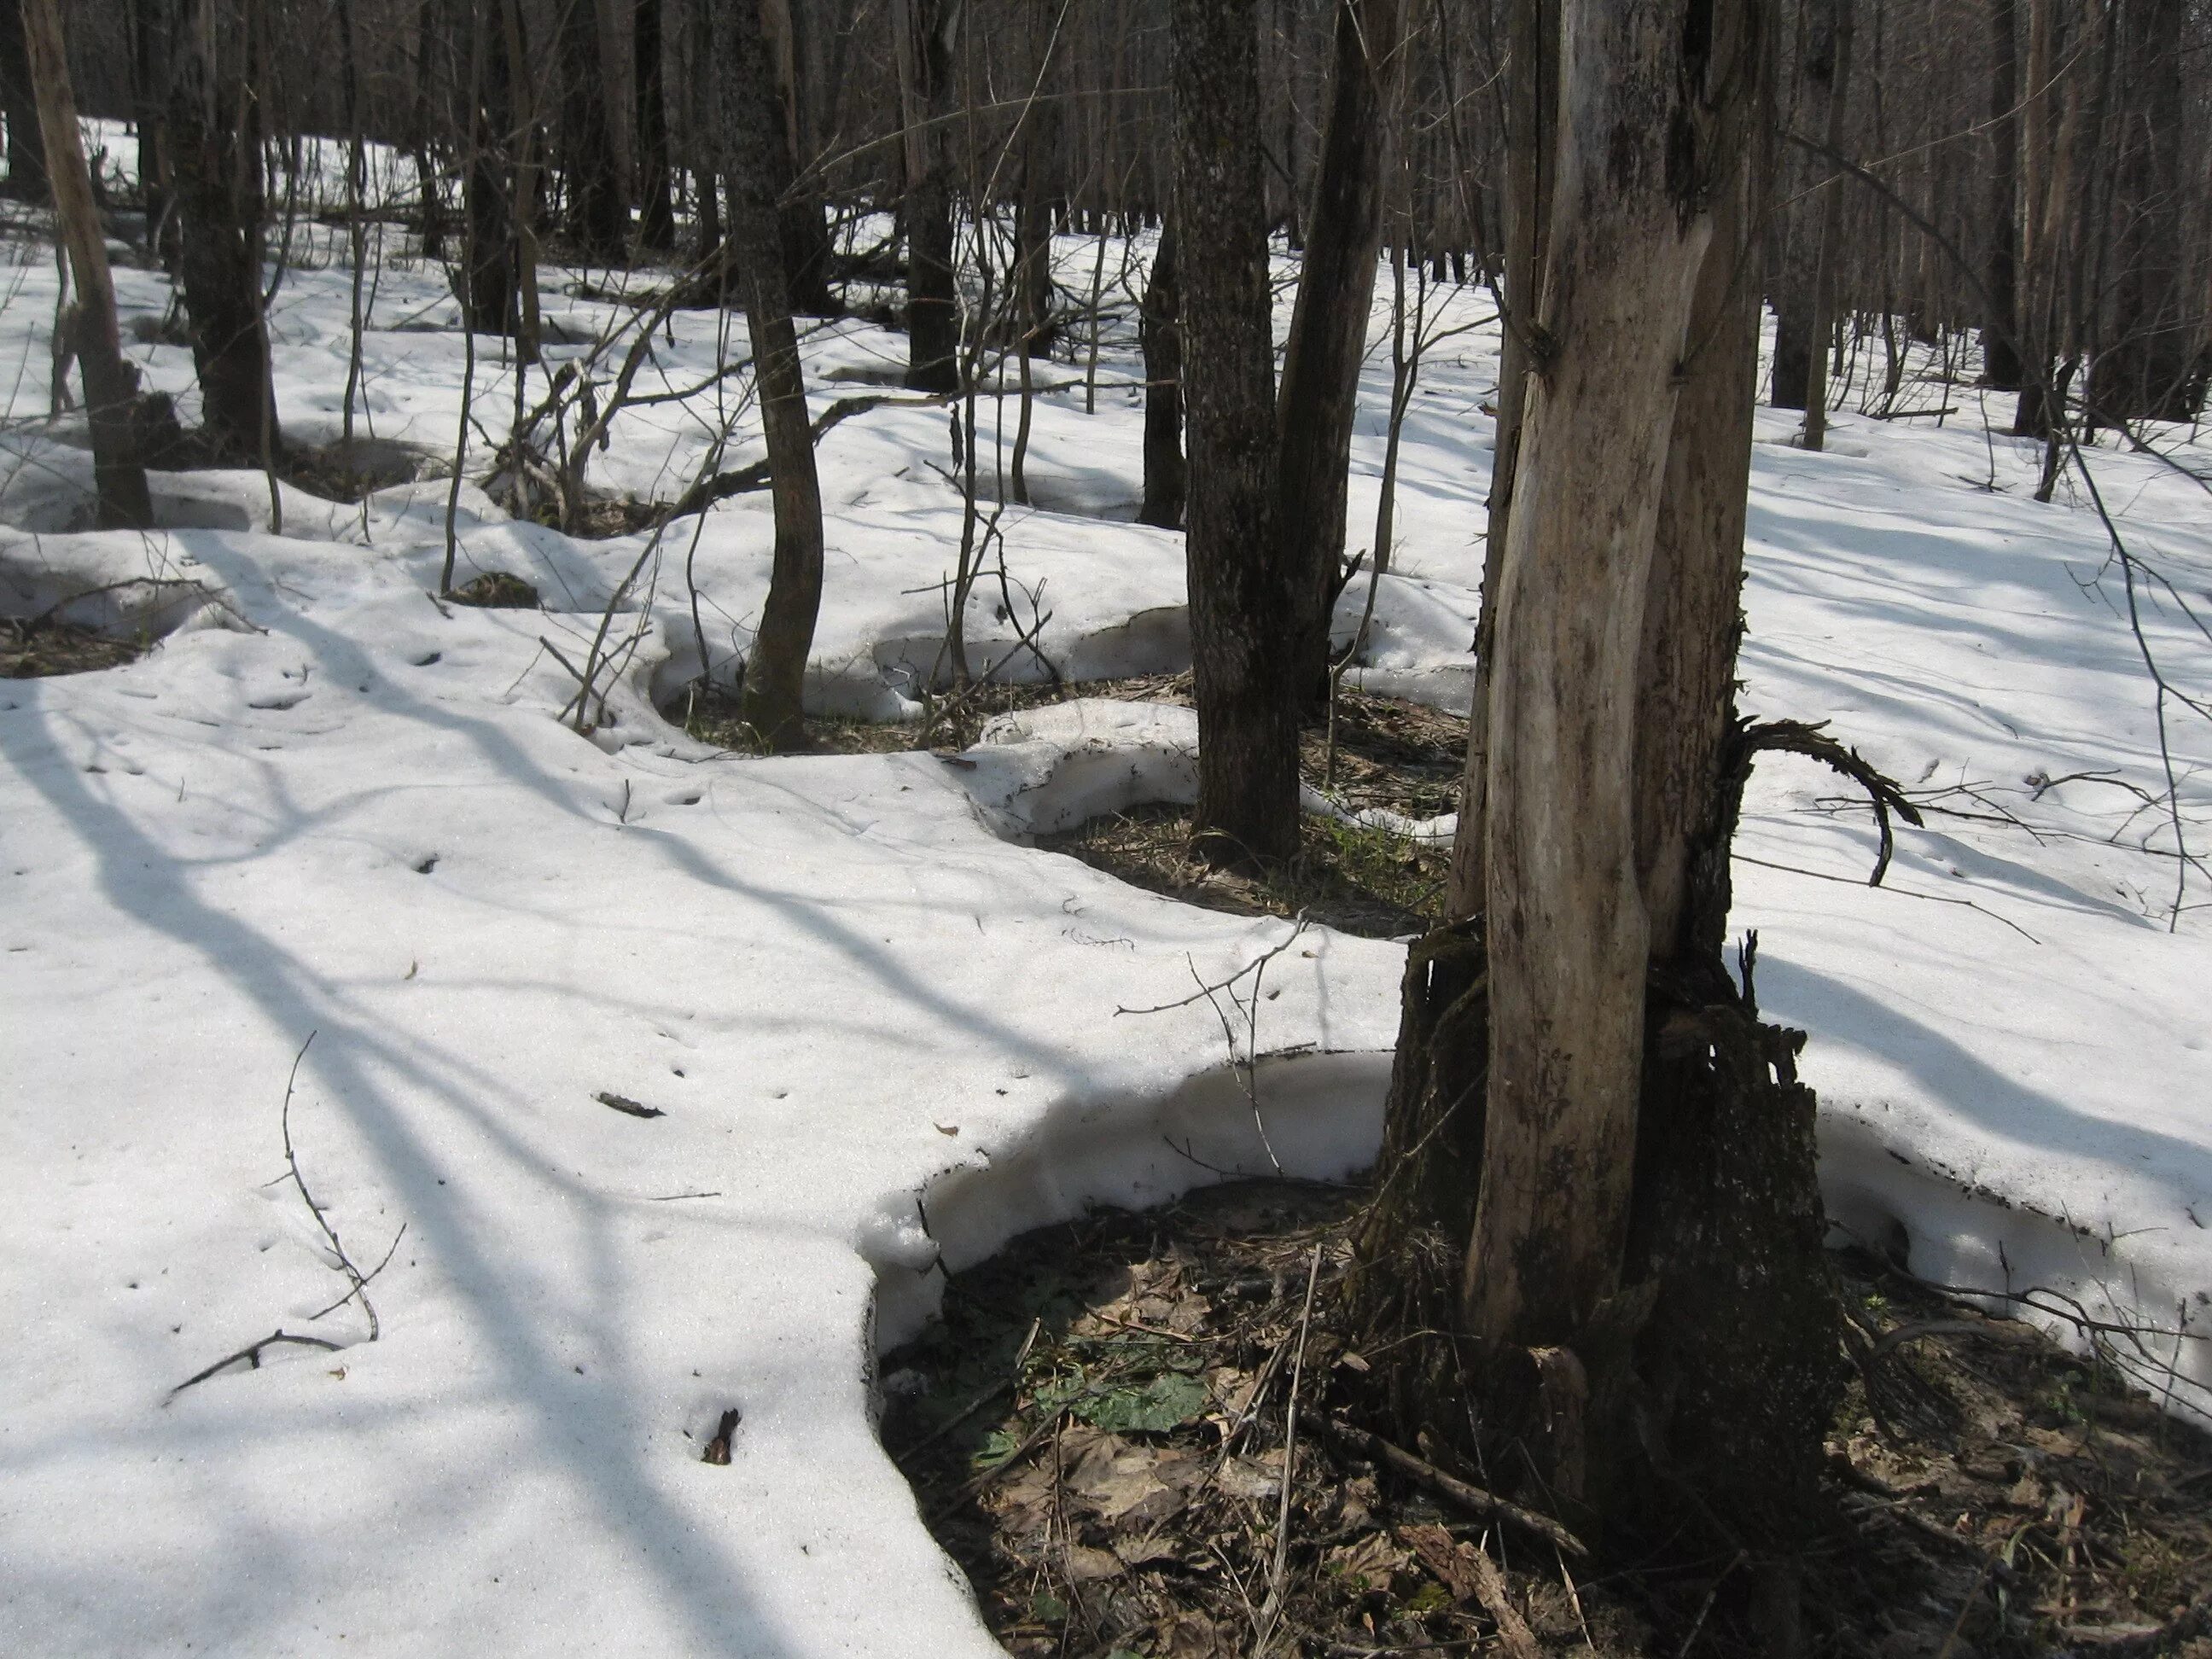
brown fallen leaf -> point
(718, 1449)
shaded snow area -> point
(881, 1033)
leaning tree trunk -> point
(776, 674)
(111, 386)
(215, 155)
(27, 147)
(1320, 393)
(1244, 599)
(1635, 1199)
(1166, 477)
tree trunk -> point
(776, 674)
(1243, 598)
(111, 386)
(805, 231)
(1531, 98)
(149, 68)
(491, 285)
(597, 219)
(657, 221)
(215, 153)
(27, 146)
(1637, 1200)
(1320, 394)
(2147, 367)
(924, 65)
(1166, 477)
(2001, 364)
(1829, 221)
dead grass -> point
(40, 648)
(1097, 1432)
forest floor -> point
(1099, 1428)
(350, 930)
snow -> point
(884, 1032)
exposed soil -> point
(1099, 1428)
(497, 590)
(36, 648)
(1399, 756)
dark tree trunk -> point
(150, 68)
(491, 285)
(26, 145)
(111, 386)
(1835, 59)
(1166, 477)
(776, 674)
(214, 141)
(1796, 289)
(432, 60)
(803, 229)
(597, 216)
(705, 144)
(1320, 394)
(925, 210)
(657, 220)
(1243, 598)
(2148, 366)
(2001, 364)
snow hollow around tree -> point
(878, 1032)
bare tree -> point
(775, 673)
(26, 149)
(111, 386)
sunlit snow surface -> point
(881, 1030)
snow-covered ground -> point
(882, 1034)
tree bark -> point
(775, 673)
(1829, 223)
(804, 229)
(2001, 364)
(1166, 476)
(491, 287)
(597, 219)
(27, 147)
(2148, 367)
(1320, 394)
(657, 220)
(111, 386)
(1531, 98)
(924, 65)
(214, 150)
(1244, 597)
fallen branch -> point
(1473, 1499)
(625, 1104)
(754, 476)
(250, 1353)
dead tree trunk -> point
(775, 673)
(1634, 1196)
(1320, 393)
(111, 386)
(214, 133)
(1166, 477)
(1533, 34)
(1243, 598)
